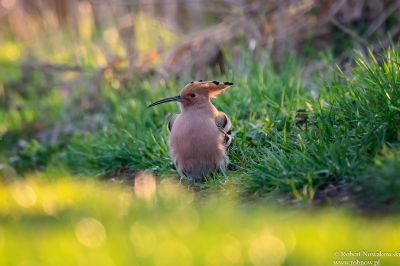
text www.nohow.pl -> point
(356, 262)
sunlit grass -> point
(48, 220)
(286, 141)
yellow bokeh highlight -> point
(10, 50)
(90, 232)
(49, 204)
(24, 194)
(267, 250)
(145, 186)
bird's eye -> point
(192, 95)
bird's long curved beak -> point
(169, 99)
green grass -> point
(56, 220)
(350, 122)
(286, 141)
(381, 182)
(354, 117)
(137, 136)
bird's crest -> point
(211, 88)
(196, 92)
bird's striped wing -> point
(224, 124)
(171, 122)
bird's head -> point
(196, 93)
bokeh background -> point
(173, 37)
(85, 174)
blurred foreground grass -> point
(49, 220)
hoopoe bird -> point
(200, 134)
